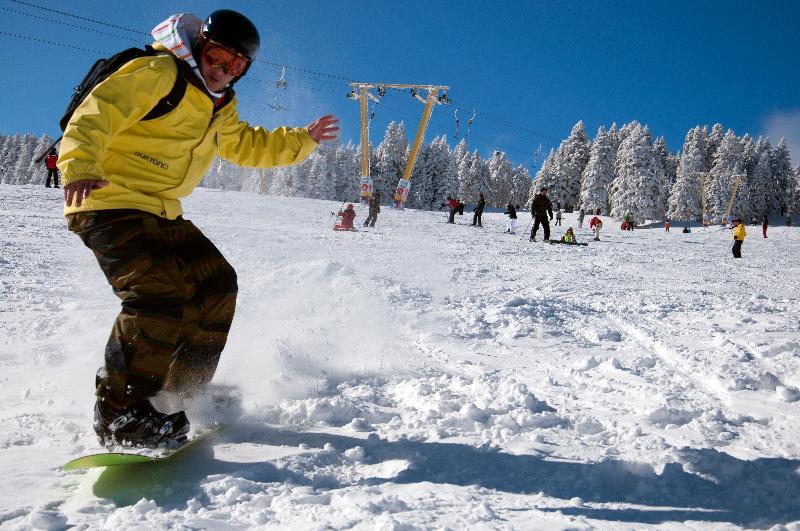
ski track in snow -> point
(423, 375)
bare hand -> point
(80, 190)
(324, 128)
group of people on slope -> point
(348, 215)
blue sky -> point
(530, 69)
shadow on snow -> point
(706, 485)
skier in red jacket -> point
(347, 215)
(596, 224)
(454, 205)
(52, 170)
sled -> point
(568, 243)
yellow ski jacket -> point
(739, 233)
(151, 164)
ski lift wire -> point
(277, 65)
(489, 116)
(72, 15)
(100, 32)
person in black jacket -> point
(511, 212)
(374, 209)
(476, 218)
(541, 208)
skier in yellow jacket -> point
(123, 179)
(738, 239)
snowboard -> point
(345, 230)
(568, 243)
(131, 457)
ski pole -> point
(522, 237)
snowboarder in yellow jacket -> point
(123, 179)
(738, 239)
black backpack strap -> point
(171, 100)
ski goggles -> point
(229, 60)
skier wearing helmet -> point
(123, 178)
(347, 215)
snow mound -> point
(488, 406)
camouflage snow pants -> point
(178, 298)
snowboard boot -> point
(138, 425)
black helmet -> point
(232, 29)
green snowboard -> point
(133, 458)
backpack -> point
(105, 67)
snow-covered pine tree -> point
(445, 175)
(284, 181)
(390, 161)
(521, 185)
(781, 166)
(712, 144)
(347, 168)
(794, 201)
(668, 160)
(638, 187)
(421, 194)
(599, 173)
(684, 200)
(545, 177)
(756, 195)
(25, 156)
(479, 169)
(8, 159)
(571, 158)
(459, 170)
(749, 200)
(672, 167)
(500, 175)
(728, 163)
(320, 176)
(474, 181)
(37, 171)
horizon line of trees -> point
(622, 170)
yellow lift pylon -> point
(363, 95)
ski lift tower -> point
(363, 94)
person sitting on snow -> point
(569, 236)
(687, 230)
(347, 215)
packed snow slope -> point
(423, 375)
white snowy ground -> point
(424, 375)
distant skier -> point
(739, 234)
(569, 236)
(596, 224)
(374, 209)
(687, 230)
(347, 215)
(666, 226)
(764, 225)
(558, 217)
(454, 205)
(476, 218)
(50, 162)
(541, 207)
(628, 222)
(581, 215)
(511, 224)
